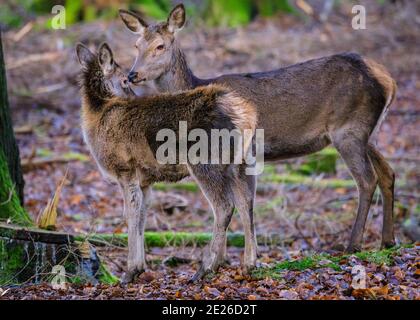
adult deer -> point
(303, 108)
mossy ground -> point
(323, 260)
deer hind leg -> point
(217, 188)
(244, 191)
(386, 181)
(244, 202)
(353, 150)
(135, 206)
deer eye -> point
(160, 47)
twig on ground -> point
(33, 164)
(22, 32)
(37, 57)
(301, 232)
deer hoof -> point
(388, 244)
(131, 275)
(199, 275)
(353, 249)
(247, 270)
(225, 263)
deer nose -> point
(132, 76)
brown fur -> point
(134, 123)
(380, 73)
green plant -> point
(229, 13)
(267, 8)
(157, 9)
(321, 162)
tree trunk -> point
(7, 139)
(10, 207)
(28, 254)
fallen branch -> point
(410, 113)
(37, 57)
(183, 239)
(22, 32)
(27, 129)
(33, 164)
(38, 163)
(404, 158)
(152, 239)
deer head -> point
(103, 71)
(155, 44)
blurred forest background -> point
(306, 205)
(213, 12)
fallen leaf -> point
(289, 294)
(147, 276)
(399, 274)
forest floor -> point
(312, 214)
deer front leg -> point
(135, 204)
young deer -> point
(121, 133)
(303, 108)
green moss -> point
(295, 178)
(236, 240)
(184, 186)
(10, 208)
(269, 176)
(163, 239)
(156, 239)
(381, 257)
(105, 276)
(11, 261)
(269, 169)
(309, 262)
(193, 224)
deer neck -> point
(179, 76)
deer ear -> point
(133, 22)
(106, 58)
(84, 55)
(176, 19)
